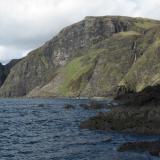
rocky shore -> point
(98, 105)
(141, 120)
(140, 114)
(152, 147)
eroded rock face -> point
(82, 35)
(109, 40)
(5, 70)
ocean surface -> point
(41, 129)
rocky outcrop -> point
(144, 120)
(153, 147)
(140, 114)
(5, 70)
(148, 96)
(90, 58)
(2, 74)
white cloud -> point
(5, 56)
(26, 24)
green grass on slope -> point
(146, 70)
(77, 73)
(113, 64)
(145, 23)
(129, 33)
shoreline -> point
(144, 120)
(75, 98)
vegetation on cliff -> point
(96, 57)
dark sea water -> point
(29, 131)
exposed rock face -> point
(5, 70)
(2, 74)
(89, 58)
(149, 95)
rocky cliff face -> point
(94, 57)
(5, 70)
(2, 74)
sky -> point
(28, 24)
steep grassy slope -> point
(71, 79)
(112, 65)
(95, 57)
(146, 71)
(96, 72)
